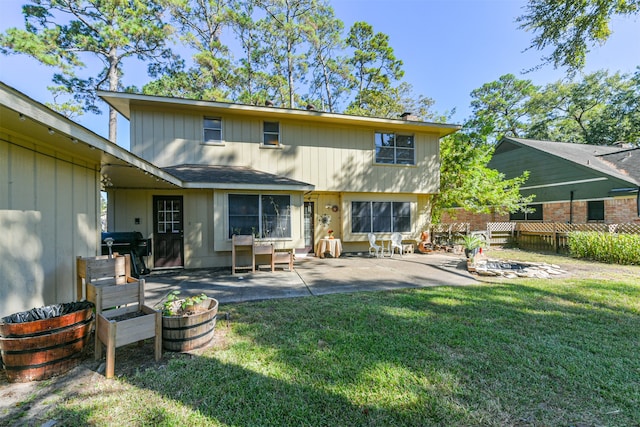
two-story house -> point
(285, 175)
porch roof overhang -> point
(33, 126)
(233, 178)
(123, 102)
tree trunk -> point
(290, 72)
(113, 86)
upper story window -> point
(271, 134)
(212, 130)
(395, 149)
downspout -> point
(571, 208)
(638, 201)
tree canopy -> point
(600, 108)
(66, 33)
(571, 28)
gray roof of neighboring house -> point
(615, 161)
(233, 177)
(627, 161)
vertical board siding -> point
(202, 216)
(333, 158)
(48, 215)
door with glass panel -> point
(309, 235)
(168, 245)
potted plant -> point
(188, 323)
(472, 244)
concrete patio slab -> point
(315, 276)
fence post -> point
(556, 243)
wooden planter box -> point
(132, 321)
(103, 270)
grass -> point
(520, 352)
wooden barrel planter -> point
(34, 350)
(192, 331)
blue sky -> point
(449, 48)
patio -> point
(314, 276)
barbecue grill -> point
(132, 243)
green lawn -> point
(525, 353)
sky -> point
(448, 47)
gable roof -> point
(233, 177)
(617, 162)
(122, 102)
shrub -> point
(606, 247)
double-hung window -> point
(395, 149)
(271, 134)
(212, 130)
(380, 217)
(265, 216)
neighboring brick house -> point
(280, 174)
(573, 183)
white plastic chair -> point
(396, 242)
(373, 247)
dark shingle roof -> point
(233, 177)
(606, 159)
(627, 161)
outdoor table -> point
(333, 246)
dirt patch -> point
(27, 404)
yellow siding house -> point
(285, 175)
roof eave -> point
(232, 186)
(122, 103)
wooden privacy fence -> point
(548, 235)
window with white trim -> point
(265, 216)
(395, 149)
(212, 133)
(271, 134)
(380, 217)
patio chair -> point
(396, 242)
(246, 244)
(374, 247)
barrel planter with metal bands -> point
(39, 349)
(185, 333)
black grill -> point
(132, 243)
